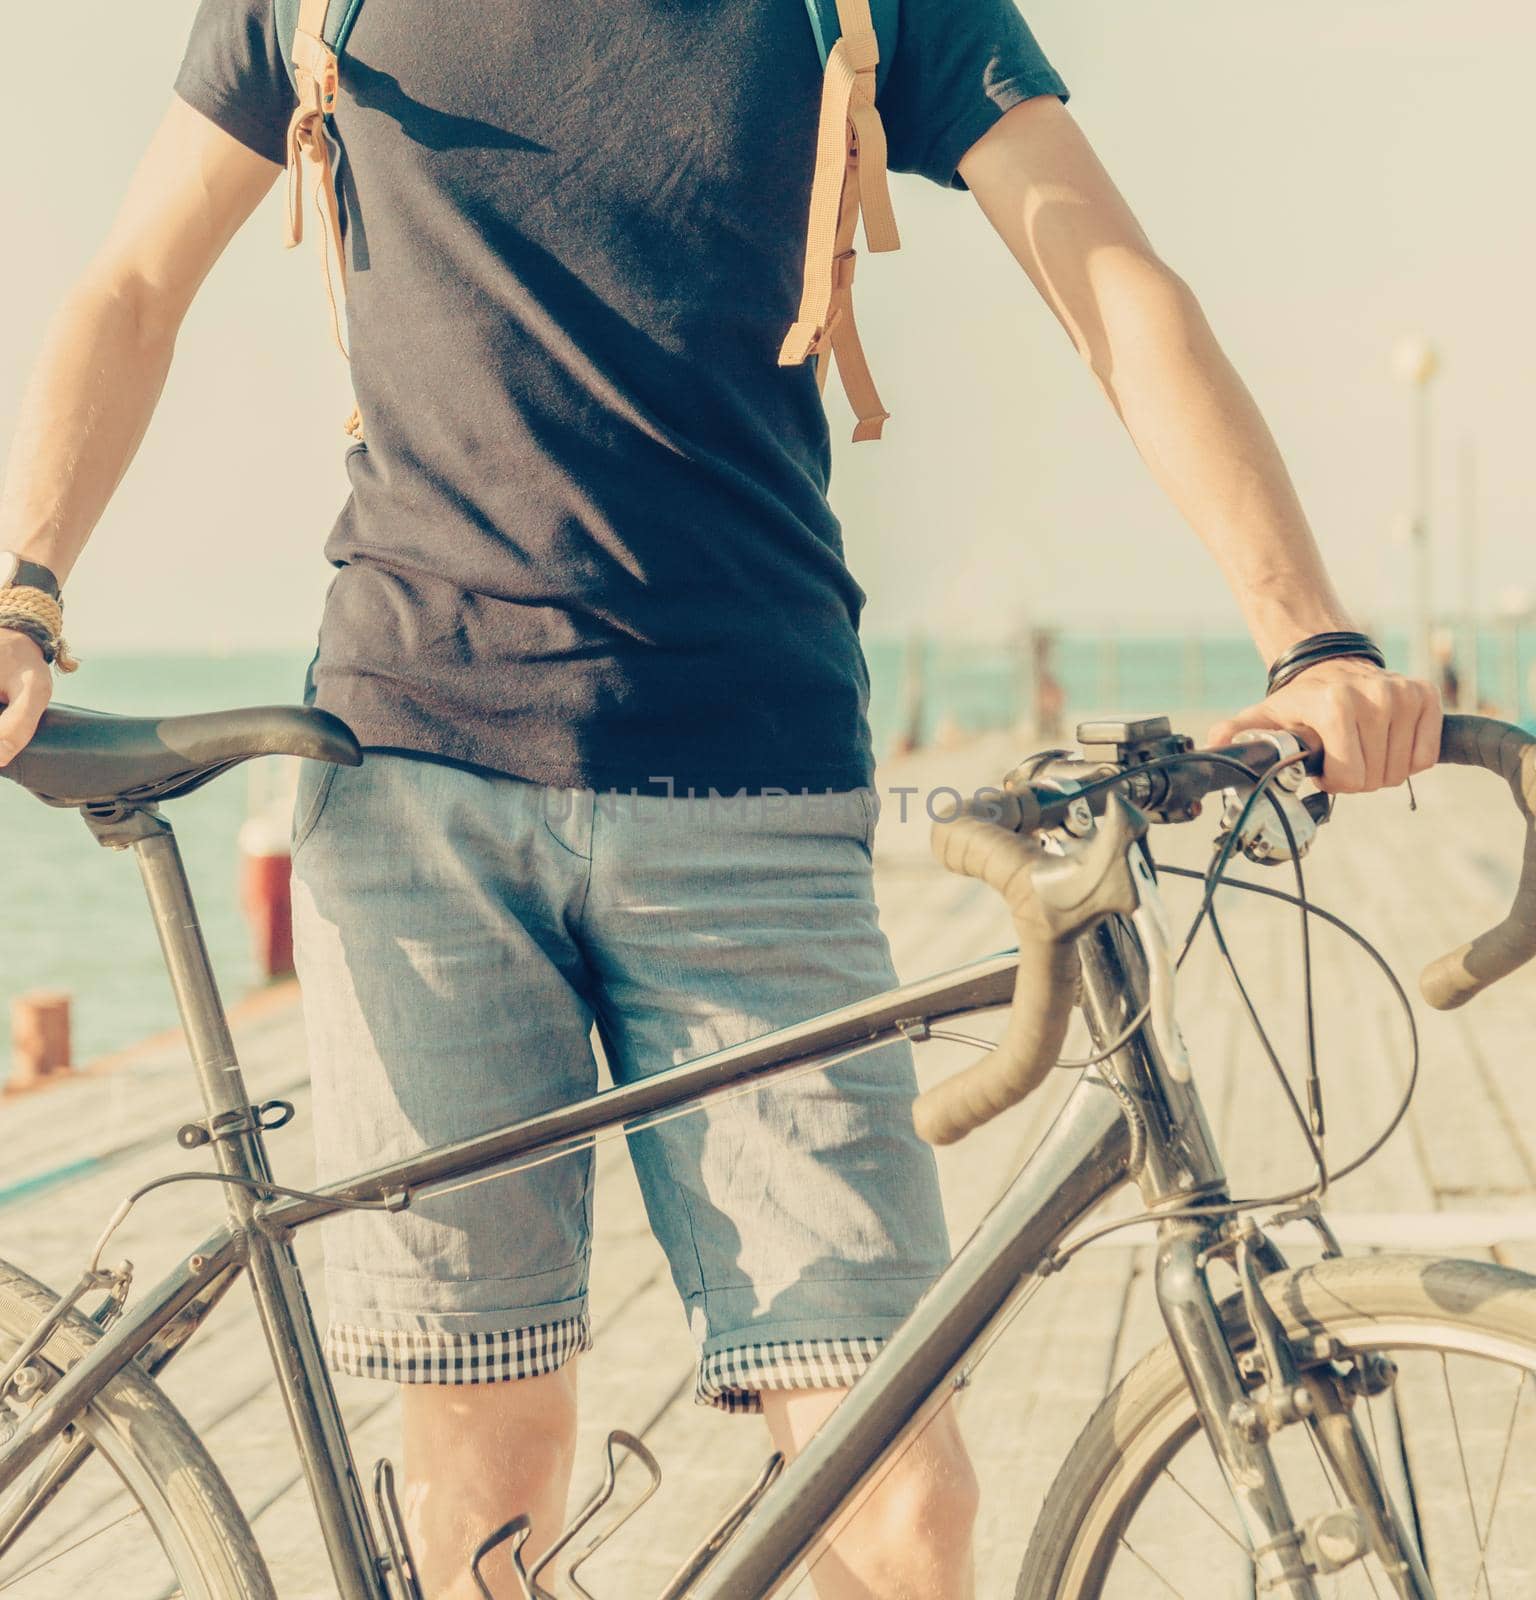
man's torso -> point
(588, 540)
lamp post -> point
(1416, 363)
(1471, 684)
(1514, 612)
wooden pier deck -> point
(1459, 1176)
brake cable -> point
(1312, 1127)
(1312, 909)
(1206, 1209)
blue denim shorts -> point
(460, 937)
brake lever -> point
(1263, 837)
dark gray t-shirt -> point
(588, 540)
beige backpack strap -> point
(850, 180)
(316, 77)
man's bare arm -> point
(1143, 334)
(105, 360)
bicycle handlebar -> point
(1052, 899)
(1509, 751)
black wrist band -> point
(36, 632)
(1335, 646)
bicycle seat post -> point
(150, 836)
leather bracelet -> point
(35, 631)
(1278, 680)
(1317, 641)
(1339, 645)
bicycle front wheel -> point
(1140, 1508)
(127, 1503)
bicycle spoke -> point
(1178, 1594)
(1322, 1467)
(1236, 1539)
(1498, 1485)
(1407, 1517)
(1466, 1476)
(18, 1513)
(1412, 1490)
(1370, 1417)
(69, 1549)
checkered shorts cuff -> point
(428, 1356)
(733, 1379)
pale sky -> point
(1327, 174)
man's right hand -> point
(26, 686)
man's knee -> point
(930, 1492)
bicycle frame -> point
(1093, 1149)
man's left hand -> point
(1376, 728)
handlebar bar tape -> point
(1509, 751)
(1052, 899)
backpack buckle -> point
(317, 73)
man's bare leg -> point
(911, 1538)
(476, 1455)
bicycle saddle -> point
(92, 758)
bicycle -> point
(1297, 1369)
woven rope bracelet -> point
(41, 618)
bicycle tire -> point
(1149, 1415)
(151, 1448)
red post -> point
(265, 869)
(40, 1042)
(267, 896)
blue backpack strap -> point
(340, 15)
(857, 38)
(827, 29)
(311, 35)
